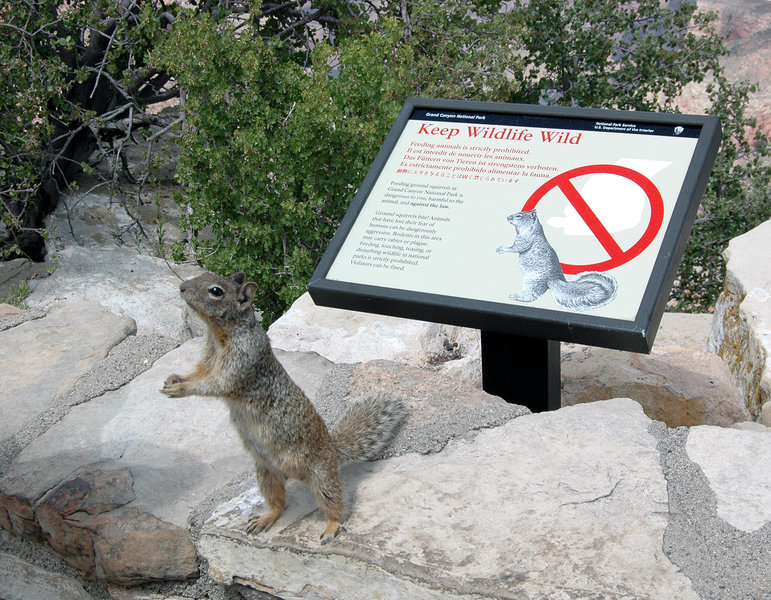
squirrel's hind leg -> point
(324, 481)
(532, 289)
(272, 486)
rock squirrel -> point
(277, 423)
(541, 270)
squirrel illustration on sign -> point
(541, 269)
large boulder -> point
(741, 333)
(679, 386)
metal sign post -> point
(522, 370)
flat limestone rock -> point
(561, 505)
(113, 484)
(344, 335)
(20, 580)
(127, 283)
(43, 358)
(347, 336)
(736, 464)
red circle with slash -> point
(618, 256)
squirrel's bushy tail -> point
(586, 291)
(365, 427)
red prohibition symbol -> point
(618, 256)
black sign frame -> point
(636, 334)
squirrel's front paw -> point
(174, 386)
(501, 249)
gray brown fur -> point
(542, 270)
(276, 421)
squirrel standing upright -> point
(277, 423)
(542, 270)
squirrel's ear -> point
(238, 277)
(246, 294)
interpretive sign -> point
(545, 222)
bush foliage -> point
(75, 87)
(285, 105)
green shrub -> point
(737, 199)
(271, 153)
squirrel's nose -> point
(183, 286)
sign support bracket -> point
(522, 370)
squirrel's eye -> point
(215, 291)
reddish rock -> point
(85, 520)
(18, 516)
(679, 386)
(62, 512)
(133, 547)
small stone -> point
(736, 464)
(133, 547)
(7, 310)
(90, 490)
